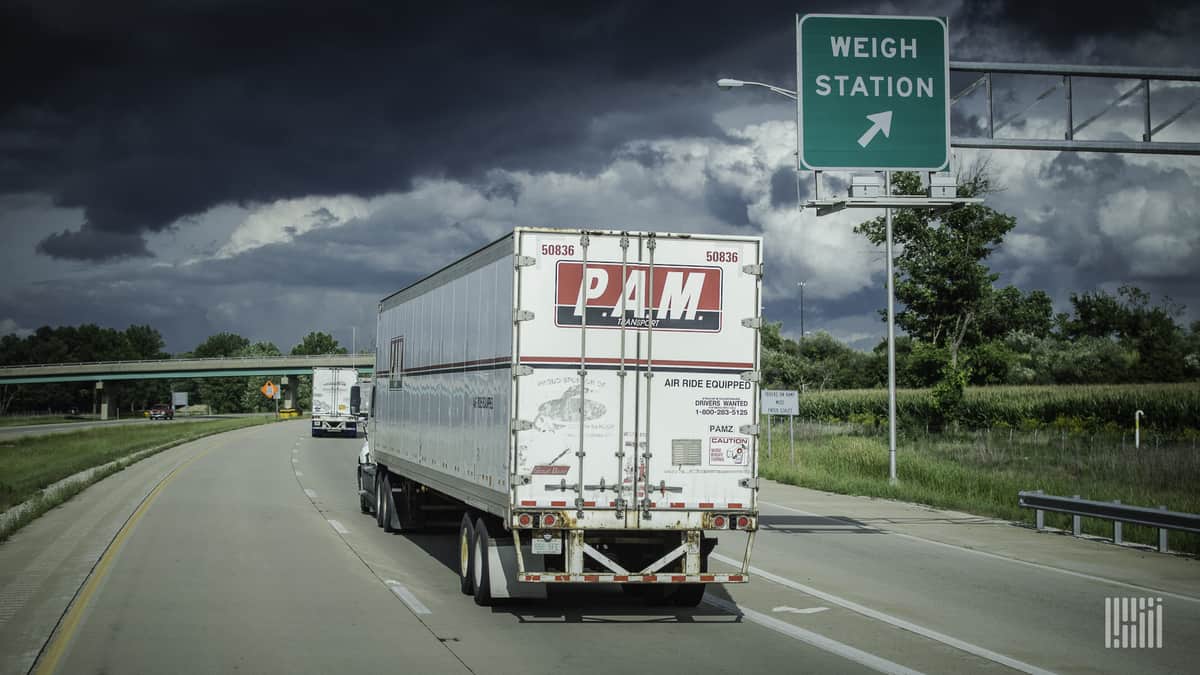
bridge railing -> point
(365, 357)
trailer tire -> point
(688, 595)
(482, 568)
(466, 555)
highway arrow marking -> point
(793, 610)
(880, 121)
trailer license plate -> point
(547, 543)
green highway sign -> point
(873, 92)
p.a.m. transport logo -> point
(675, 298)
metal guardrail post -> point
(1076, 521)
(1118, 537)
(1162, 534)
(1041, 516)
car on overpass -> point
(162, 411)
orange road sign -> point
(269, 389)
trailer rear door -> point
(635, 383)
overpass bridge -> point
(177, 369)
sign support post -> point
(891, 335)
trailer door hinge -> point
(522, 315)
(519, 371)
(753, 322)
(524, 261)
(750, 376)
(748, 429)
(521, 425)
(754, 270)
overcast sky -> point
(270, 169)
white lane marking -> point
(894, 621)
(793, 610)
(312, 494)
(997, 556)
(815, 639)
(341, 529)
(299, 474)
(407, 597)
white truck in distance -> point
(331, 402)
(583, 403)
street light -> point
(728, 83)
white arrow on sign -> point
(880, 121)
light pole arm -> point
(727, 83)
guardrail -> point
(1115, 511)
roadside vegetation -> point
(28, 465)
(30, 420)
(982, 471)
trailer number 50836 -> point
(558, 249)
(721, 256)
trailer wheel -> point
(482, 566)
(466, 555)
(688, 595)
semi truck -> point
(331, 411)
(583, 404)
(360, 401)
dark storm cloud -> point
(147, 113)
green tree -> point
(221, 394)
(317, 342)
(252, 398)
(942, 281)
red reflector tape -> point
(562, 577)
(653, 505)
(707, 577)
(613, 504)
(706, 505)
(528, 502)
(735, 577)
(621, 577)
(558, 503)
(677, 505)
(735, 505)
(589, 503)
(591, 577)
(677, 578)
(649, 577)
(533, 577)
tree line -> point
(960, 329)
(89, 342)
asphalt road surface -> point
(247, 552)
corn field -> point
(1075, 409)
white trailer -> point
(586, 401)
(360, 401)
(331, 389)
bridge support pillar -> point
(106, 400)
(287, 386)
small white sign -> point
(546, 543)
(780, 402)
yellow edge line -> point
(49, 662)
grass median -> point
(982, 473)
(29, 465)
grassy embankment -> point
(29, 420)
(29, 465)
(1062, 443)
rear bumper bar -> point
(551, 578)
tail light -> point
(719, 522)
(549, 520)
(743, 522)
(525, 520)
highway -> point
(43, 429)
(247, 552)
